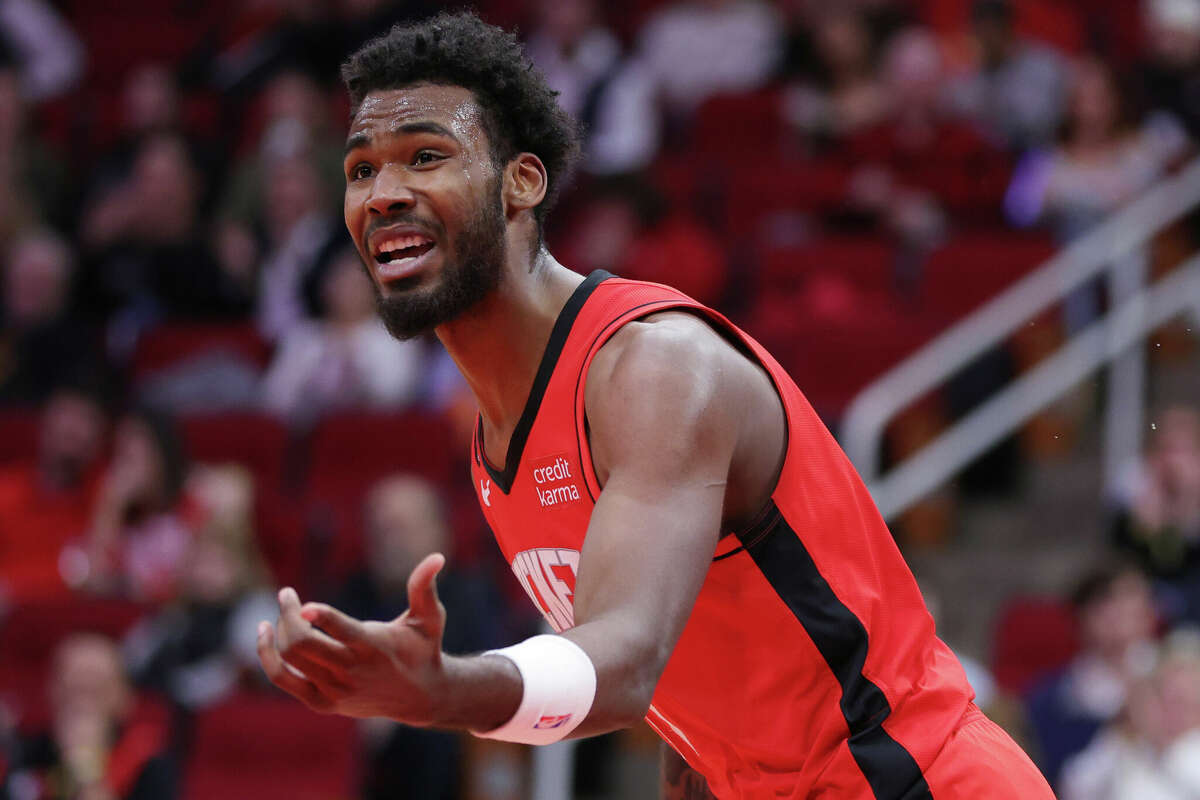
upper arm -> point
(664, 424)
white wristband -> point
(559, 685)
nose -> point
(390, 193)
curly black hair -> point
(520, 112)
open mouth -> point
(401, 255)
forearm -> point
(480, 693)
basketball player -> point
(661, 488)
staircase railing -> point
(1114, 249)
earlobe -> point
(525, 182)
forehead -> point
(389, 110)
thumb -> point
(424, 609)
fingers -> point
(286, 678)
(317, 654)
(343, 627)
(424, 609)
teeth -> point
(402, 242)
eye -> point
(360, 171)
(424, 157)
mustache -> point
(430, 227)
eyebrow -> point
(362, 139)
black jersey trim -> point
(839, 635)
(620, 320)
(558, 339)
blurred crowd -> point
(199, 404)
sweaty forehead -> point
(388, 110)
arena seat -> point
(818, 335)
(350, 452)
(972, 194)
(19, 432)
(969, 270)
(756, 194)
(732, 125)
(1033, 636)
(350, 448)
(270, 747)
(31, 631)
(866, 262)
(172, 344)
(282, 538)
(257, 441)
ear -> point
(525, 182)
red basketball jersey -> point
(809, 664)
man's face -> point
(423, 204)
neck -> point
(498, 345)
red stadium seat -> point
(866, 262)
(1033, 636)
(834, 340)
(1056, 22)
(757, 193)
(732, 125)
(174, 344)
(257, 441)
(19, 432)
(972, 269)
(281, 533)
(349, 453)
(972, 193)
(348, 450)
(270, 747)
(31, 631)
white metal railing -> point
(1112, 248)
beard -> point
(474, 272)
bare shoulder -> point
(668, 384)
(675, 349)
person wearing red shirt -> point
(46, 503)
(661, 488)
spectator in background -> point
(50, 55)
(197, 650)
(147, 248)
(40, 340)
(102, 744)
(345, 359)
(31, 178)
(1169, 75)
(576, 53)
(45, 504)
(697, 48)
(138, 539)
(1158, 510)
(1153, 751)
(294, 123)
(150, 104)
(300, 234)
(843, 93)
(615, 99)
(405, 521)
(1117, 620)
(625, 227)
(916, 137)
(1013, 88)
(1106, 156)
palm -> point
(337, 664)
